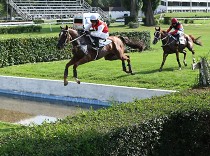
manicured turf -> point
(145, 64)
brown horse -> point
(169, 45)
(112, 51)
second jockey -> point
(100, 30)
(178, 29)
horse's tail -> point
(133, 44)
(196, 40)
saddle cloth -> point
(182, 39)
(103, 43)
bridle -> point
(164, 38)
(68, 36)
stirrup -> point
(95, 48)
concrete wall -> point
(89, 93)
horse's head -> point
(66, 34)
(63, 38)
(157, 35)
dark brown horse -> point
(114, 50)
(169, 45)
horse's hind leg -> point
(185, 53)
(193, 56)
(129, 65)
(123, 66)
(190, 47)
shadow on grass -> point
(156, 70)
(147, 72)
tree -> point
(134, 6)
(101, 3)
(3, 7)
(148, 8)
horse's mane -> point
(73, 32)
(163, 31)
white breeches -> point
(100, 34)
(181, 33)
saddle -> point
(181, 38)
(102, 42)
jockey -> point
(178, 29)
(100, 30)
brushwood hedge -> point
(141, 36)
(30, 50)
(175, 124)
(20, 29)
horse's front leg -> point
(85, 59)
(164, 59)
(71, 62)
(177, 59)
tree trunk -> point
(149, 21)
(133, 11)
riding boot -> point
(79, 45)
(177, 39)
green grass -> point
(7, 128)
(145, 65)
(186, 14)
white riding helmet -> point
(93, 18)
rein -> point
(167, 37)
(76, 38)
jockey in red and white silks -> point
(101, 29)
(178, 29)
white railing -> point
(28, 9)
(22, 14)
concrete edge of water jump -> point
(89, 93)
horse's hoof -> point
(132, 73)
(180, 68)
(65, 83)
(127, 72)
(185, 64)
(77, 80)
(160, 70)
